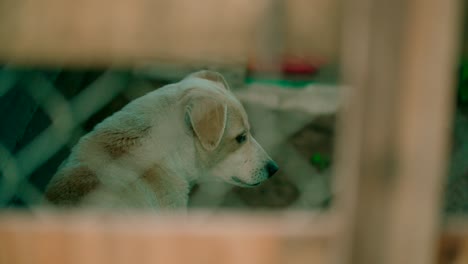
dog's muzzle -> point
(237, 180)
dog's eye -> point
(241, 138)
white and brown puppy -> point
(150, 153)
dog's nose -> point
(271, 168)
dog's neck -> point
(177, 150)
(181, 164)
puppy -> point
(150, 153)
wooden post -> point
(398, 64)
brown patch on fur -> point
(170, 192)
(71, 185)
(126, 133)
(153, 177)
(118, 144)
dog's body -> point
(152, 151)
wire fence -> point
(40, 125)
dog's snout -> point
(271, 168)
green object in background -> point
(279, 82)
(321, 162)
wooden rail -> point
(142, 238)
(128, 32)
(238, 238)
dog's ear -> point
(211, 76)
(207, 118)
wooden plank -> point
(85, 239)
(122, 32)
(392, 149)
(424, 127)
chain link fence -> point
(44, 112)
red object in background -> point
(298, 66)
(289, 66)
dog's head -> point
(219, 125)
